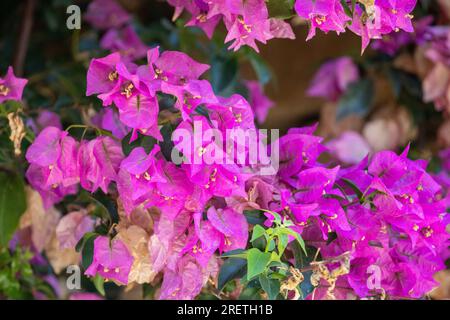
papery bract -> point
(105, 14)
(11, 87)
(99, 162)
(260, 103)
(333, 78)
(72, 227)
(112, 260)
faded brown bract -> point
(321, 271)
(18, 131)
(390, 127)
(59, 258)
(445, 7)
(42, 221)
(42, 224)
(443, 291)
(136, 239)
(367, 3)
(291, 283)
(135, 230)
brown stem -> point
(25, 31)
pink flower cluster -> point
(184, 242)
(249, 21)
(11, 87)
(333, 79)
(395, 224)
(391, 44)
(371, 18)
(385, 212)
(246, 21)
(436, 84)
(120, 35)
(58, 163)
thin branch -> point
(25, 31)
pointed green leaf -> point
(255, 216)
(354, 187)
(256, 262)
(238, 253)
(270, 286)
(357, 99)
(99, 284)
(281, 9)
(258, 232)
(12, 204)
(231, 269)
(87, 253)
(297, 237)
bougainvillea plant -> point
(259, 20)
(144, 189)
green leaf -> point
(258, 232)
(148, 291)
(277, 217)
(231, 269)
(271, 245)
(238, 253)
(250, 293)
(297, 237)
(260, 243)
(10, 106)
(277, 276)
(274, 257)
(282, 267)
(256, 262)
(302, 261)
(224, 72)
(201, 110)
(83, 240)
(106, 203)
(270, 286)
(282, 9)
(403, 80)
(255, 216)
(87, 254)
(105, 208)
(142, 141)
(283, 240)
(259, 65)
(99, 284)
(357, 99)
(354, 187)
(12, 204)
(306, 287)
(334, 196)
(167, 144)
(347, 9)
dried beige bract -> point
(18, 131)
(136, 240)
(291, 283)
(321, 271)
